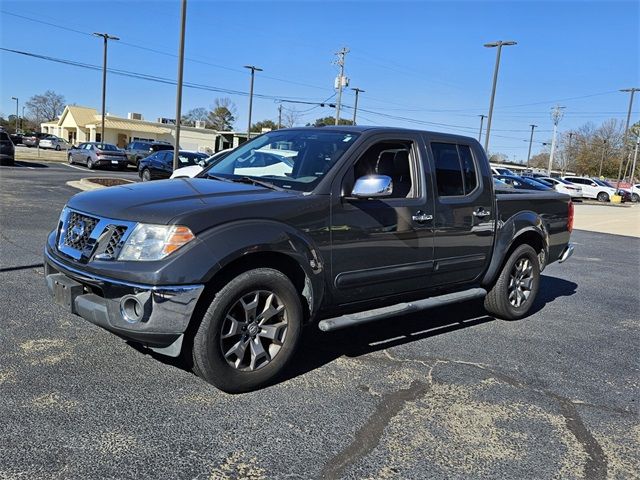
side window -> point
(448, 172)
(393, 159)
(455, 169)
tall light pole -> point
(279, 116)
(568, 159)
(22, 120)
(183, 22)
(632, 91)
(482, 117)
(253, 69)
(556, 116)
(530, 142)
(355, 106)
(341, 80)
(105, 37)
(498, 44)
(635, 158)
(604, 146)
(17, 102)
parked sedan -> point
(193, 170)
(33, 139)
(522, 183)
(96, 154)
(159, 165)
(139, 149)
(55, 143)
(564, 186)
(7, 150)
(635, 193)
(625, 194)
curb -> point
(86, 184)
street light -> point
(530, 142)
(253, 69)
(17, 101)
(632, 91)
(355, 106)
(176, 147)
(498, 44)
(556, 115)
(105, 37)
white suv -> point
(592, 189)
(564, 186)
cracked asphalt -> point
(449, 393)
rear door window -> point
(456, 173)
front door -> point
(383, 246)
(464, 222)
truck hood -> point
(161, 201)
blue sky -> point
(417, 60)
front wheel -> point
(249, 332)
(57, 148)
(635, 198)
(515, 291)
(603, 197)
(70, 159)
(90, 164)
(146, 175)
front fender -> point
(508, 233)
(232, 241)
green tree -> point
(269, 124)
(222, 115)
(329, 121)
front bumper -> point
(156, 316)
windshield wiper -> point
(215, 177)
(255, 181)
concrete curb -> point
(86, 184)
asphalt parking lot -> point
(447, 393)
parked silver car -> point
(55, 143)
(96, 154)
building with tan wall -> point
(83, 124)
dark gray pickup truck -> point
(334, 226)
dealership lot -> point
(447, 393)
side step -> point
(359, 318)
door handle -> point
(481, 213)
(421, 217)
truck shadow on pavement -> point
(318, 348)
(23, 164)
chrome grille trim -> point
(83, 236)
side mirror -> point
(372, 186)
(202, 163)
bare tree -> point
(198, 114)
(46, 106)
(223, 114)
(290, 117)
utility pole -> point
(341, 80)
(22, 120)
(105, 37)
(176, 147)
(530, 142)
(482, 117)
(355, 106)
(279, 116)
(253, 69)
(556, 116)
(17, 102)
(498, 44)
(632, 91)
(566, 163)
(604, 146)
(635, 158)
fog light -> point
(131, 309)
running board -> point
(359, 318)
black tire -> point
(498, 301)
(603, 197)
(146, 175)
(57, 148)
(70, 159)
(635, 198)
(209, 361)
(90, 164)
(122, 167)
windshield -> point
(602, 183)
(190, 158)
(106, 147)
(289, 159)
(533, 183)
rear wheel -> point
(70, 159)
(515, 291)
(249, 332)
(603, 197)
(635, 198)
(57, 148)
(146, 175)
(90, 164)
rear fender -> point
(233, 241)
(509, 234)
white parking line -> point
(73, 166)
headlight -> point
(154, 242)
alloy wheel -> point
(254, 330)
(520, 282)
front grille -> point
(113, 246)
(79, 229)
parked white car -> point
(564, 186)
(635, 193)
(55, 143)
(193, 170)
(591, 189)
(501, 171)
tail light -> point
(570, 219)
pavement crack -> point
(369, 435)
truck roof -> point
(383, 129)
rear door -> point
(464, 214)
